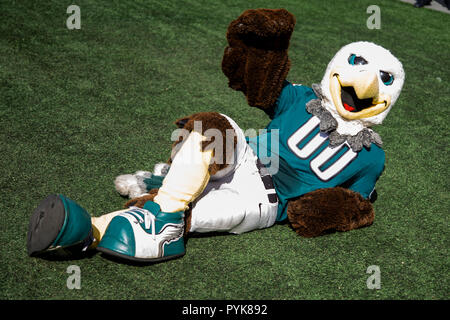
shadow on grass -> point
(65, 255)
(74, 253)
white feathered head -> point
(360, 86)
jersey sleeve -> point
(368, 176)
(290, 96)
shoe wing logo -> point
(169, 233)
(152, 246)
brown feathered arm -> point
(140, 201)
(256, 59)
(328, 210)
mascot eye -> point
(356, 60)
(386, 77)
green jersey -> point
(305, 161)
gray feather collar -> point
(328, 124)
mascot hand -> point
(327, 210)
(262, 28)
(256, 60)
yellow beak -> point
(365, 84)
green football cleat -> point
(58, 223)
(147, 235)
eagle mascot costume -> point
(315, 164)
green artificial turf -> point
(79, 107)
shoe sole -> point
(45, 224)
(135, 259)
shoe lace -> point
(149, 220)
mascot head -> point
(360, 86)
